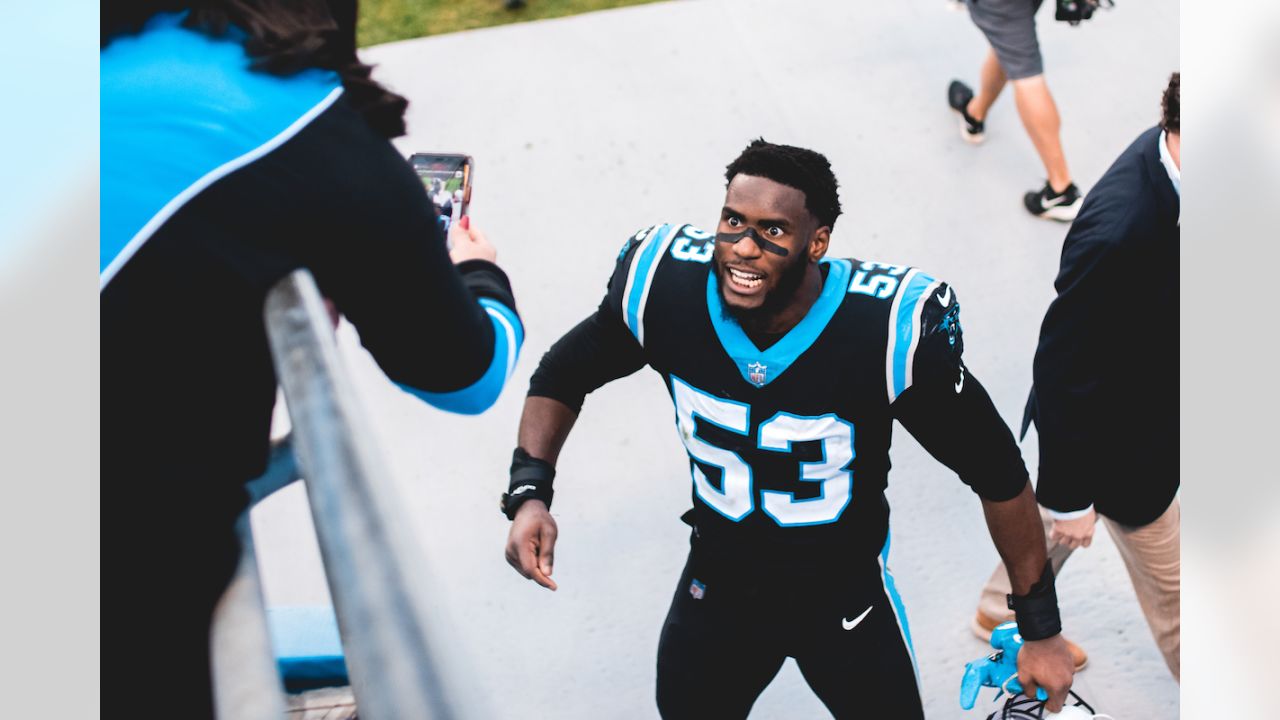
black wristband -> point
(530, 480)
(1037, 611)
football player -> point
(787, 370)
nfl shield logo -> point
(756, 373)
(697, 590)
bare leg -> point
(993, 80)
(1040, 118)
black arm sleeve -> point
(485, 279)
(950, 413)
(598, 350)
(963, 431)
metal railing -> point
(399, 662)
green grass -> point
(383, 21)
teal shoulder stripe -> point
(905, 330)
(642, 275)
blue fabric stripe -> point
(483, 393)
(644, 266)
(896, 598)
(903, 327)
(510, 316)
(779, 356)
(177, 105)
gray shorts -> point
(1010, 27)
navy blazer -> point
(1105, 392)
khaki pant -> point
(1150, 554)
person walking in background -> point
(1014, 55)
(1105, 393)
(243, 140)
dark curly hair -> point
(805, 170)
(1170, 105)
(284, 37)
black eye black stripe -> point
(764, 244)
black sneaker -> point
(1047, 204)
(958, 97)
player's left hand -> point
(1046, 664)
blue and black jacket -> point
(217, 181)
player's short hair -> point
(1170, 105)
(805, 170)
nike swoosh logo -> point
(851, 624)
(961, 383)
(1052, 203)
(521, 489)
(945, 299)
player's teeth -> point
(743, 279)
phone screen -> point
(447, 178)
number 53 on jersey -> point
(736, 496)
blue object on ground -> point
(307, 646)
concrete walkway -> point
(586, 129)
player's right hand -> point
(469, 243)
(1046, 664)
(531, 544)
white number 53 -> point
(735, 498)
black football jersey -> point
(789, 445)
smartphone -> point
(447, 177)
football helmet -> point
(1021, 707)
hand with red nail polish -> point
(469, 243)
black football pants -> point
(727, 635)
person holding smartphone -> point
(242, 140)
